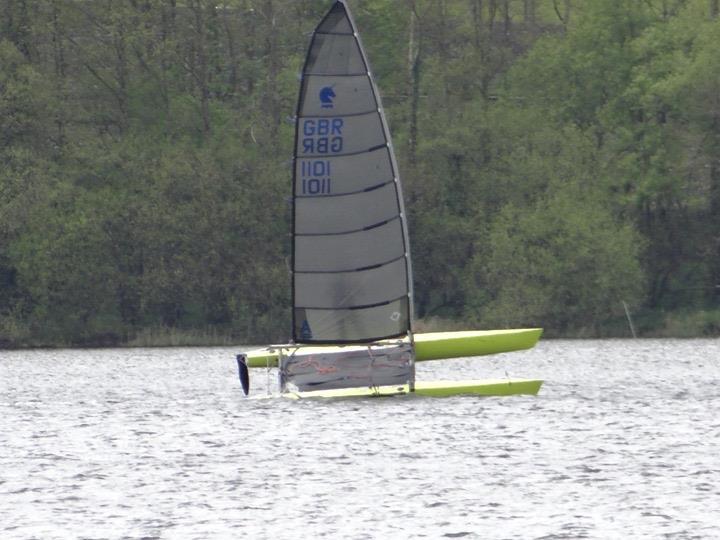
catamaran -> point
(352, 330)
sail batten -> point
(361, 269)
(362, 113)
(359, 74)
(371, 188)
(360, 152)
(350, 308)
(351, 262)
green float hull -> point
(430, 346)
(488, 387)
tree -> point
(564, 264)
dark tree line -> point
(559, 158)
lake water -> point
(623, 441)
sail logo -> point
(327, 94)
(305, 332)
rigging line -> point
(370, 368)
(282, 367)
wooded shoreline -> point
(559, 159)
(677, 326)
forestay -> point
(351, 261)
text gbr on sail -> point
(322, 135)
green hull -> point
(489, 387)
(432, 346)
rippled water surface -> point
(623, 441)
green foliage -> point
(571, 270)
(687, 324)
(558, 158)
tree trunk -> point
(444, 47)
(60, 75)
(492, 11)
(563, 15)
(168, 37)
(414, 76)
(232, 54)
(529, 12)
(122, 73)
(273, 63)
(201, 73)
(506, 18)
(476, 6)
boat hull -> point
(479, 387)
(430, 346)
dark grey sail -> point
(351, 262)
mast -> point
(352, 276)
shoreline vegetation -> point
(676, 325)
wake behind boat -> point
(351, 268)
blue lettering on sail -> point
(322, 135)
(315, 177)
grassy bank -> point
(148, 337)
(682, 324)
(647, 324)
(174, 337)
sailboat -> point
(352, 329)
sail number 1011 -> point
(315, 177)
